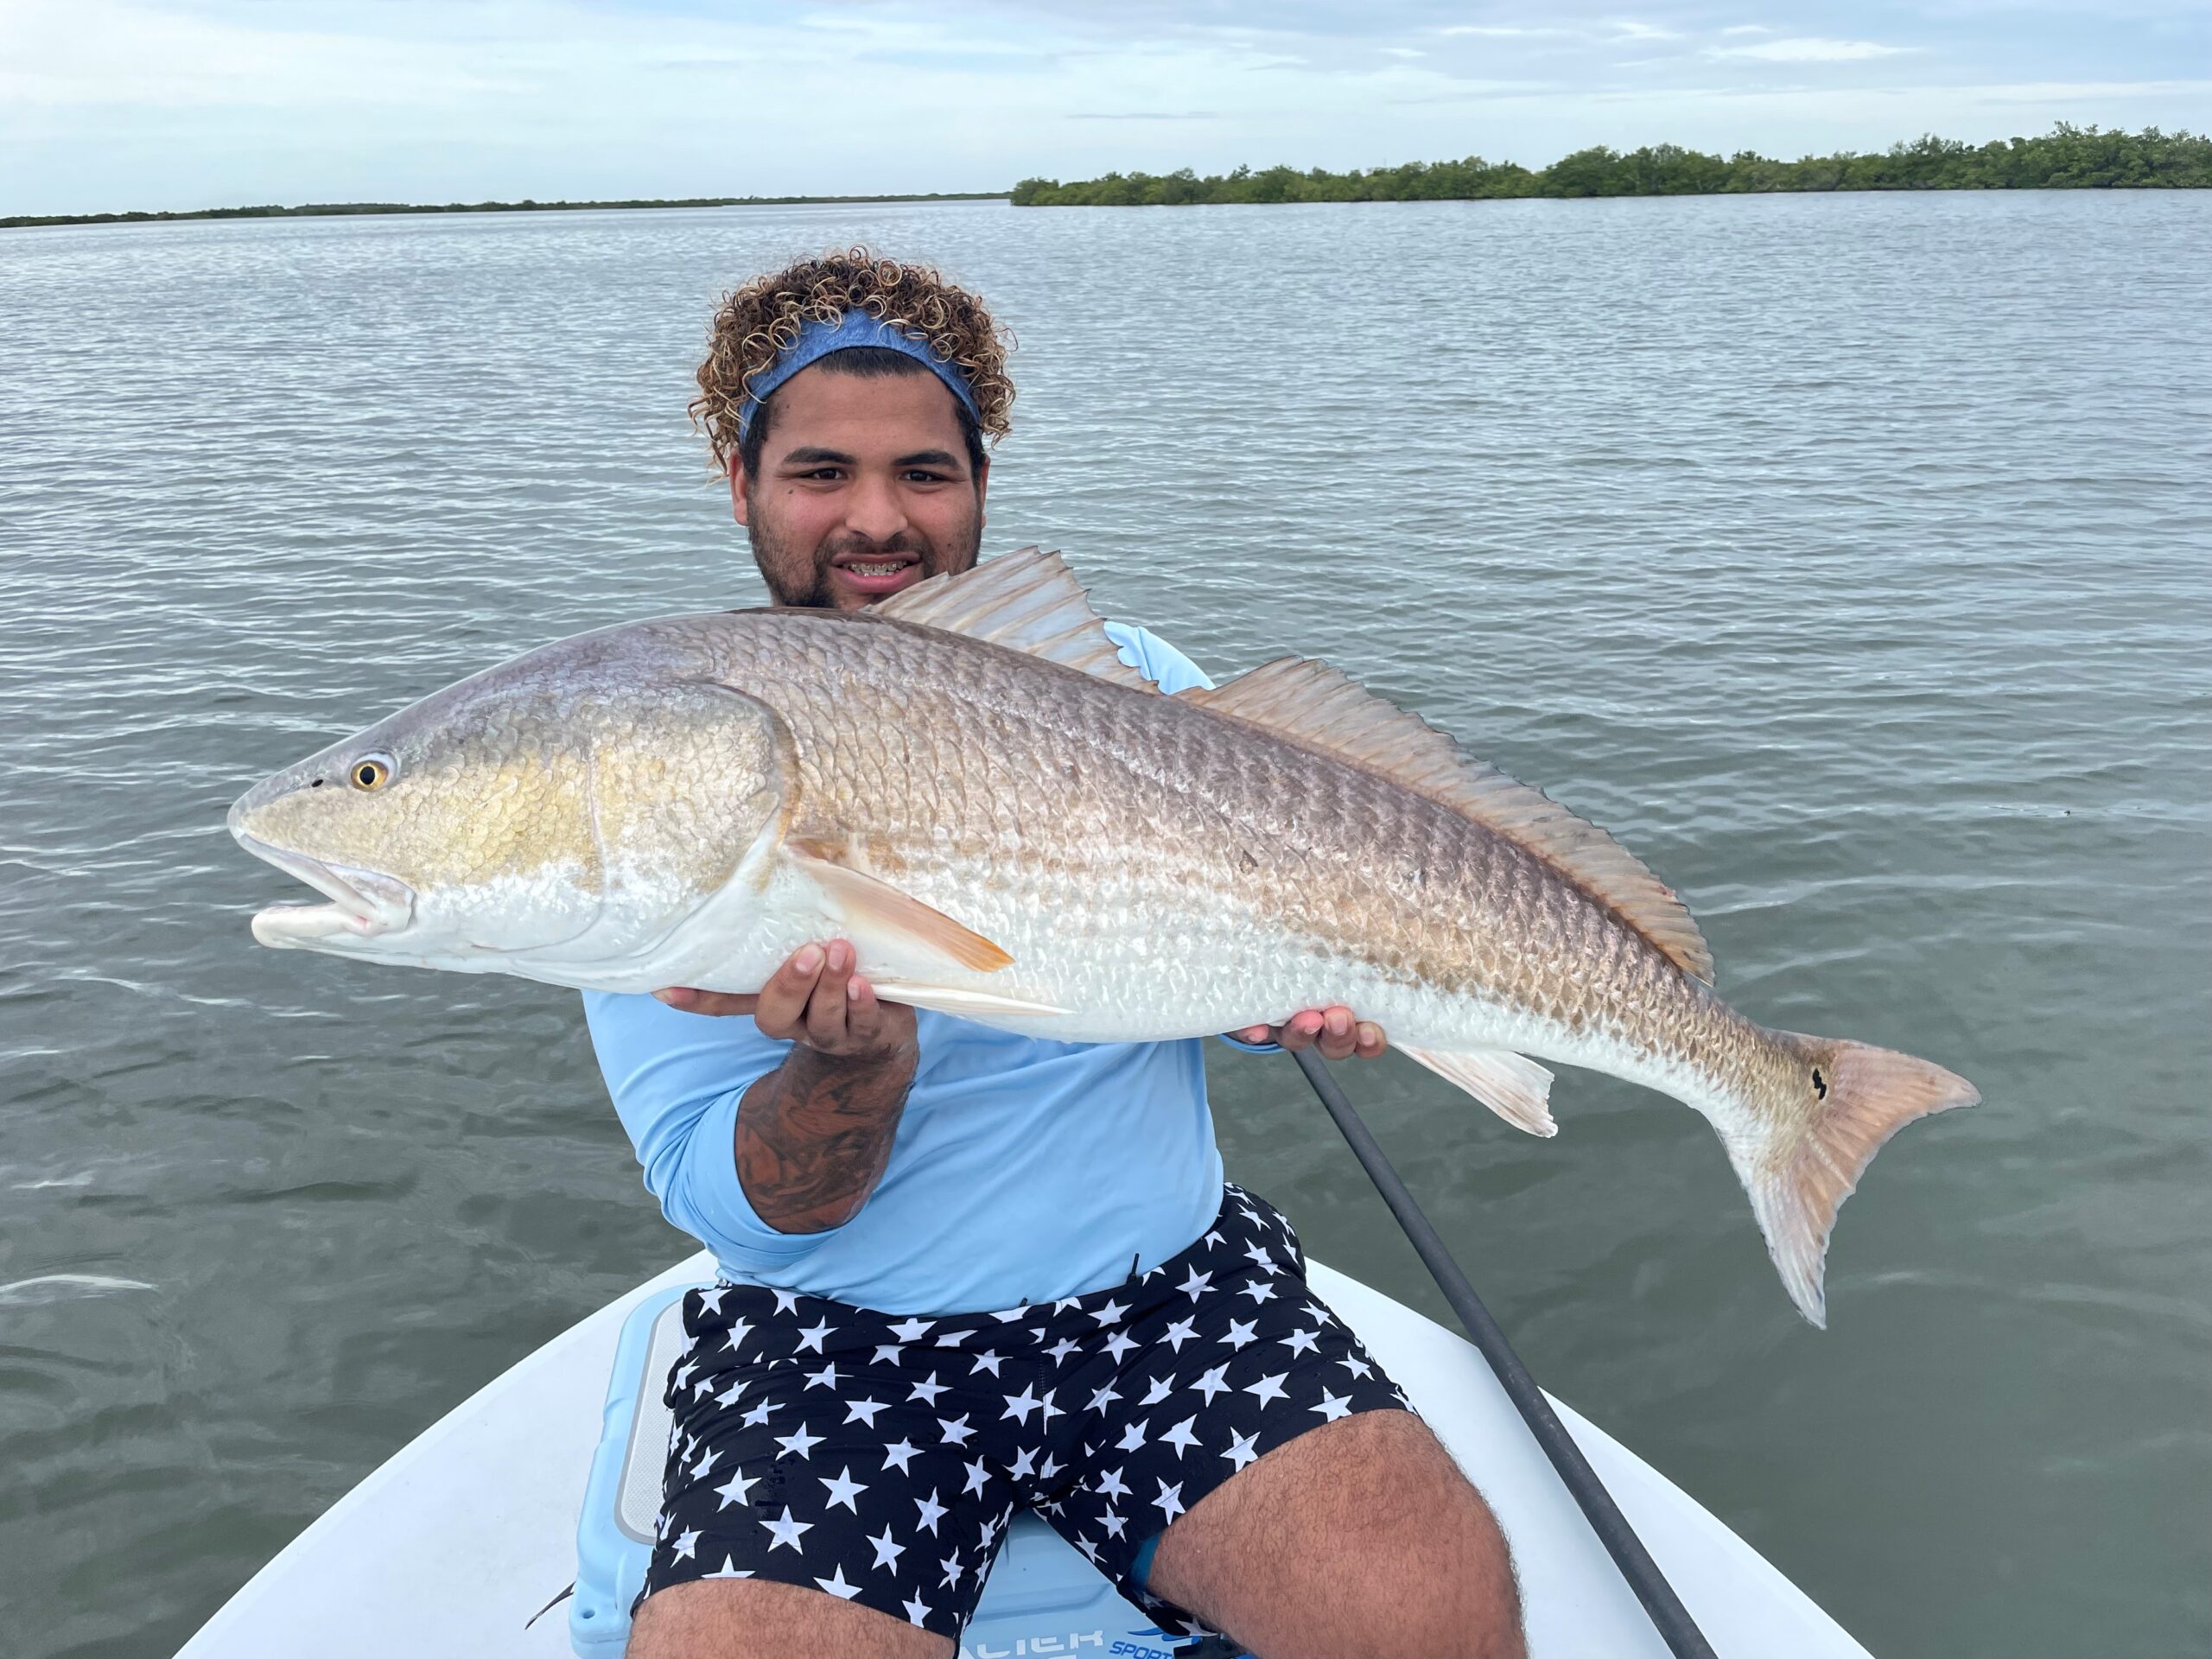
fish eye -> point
(370, 771)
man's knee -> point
(753, 1619)
(1360, 1537)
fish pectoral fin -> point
(1512, 1085)
(870, 907)
(966, 1004)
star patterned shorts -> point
(880, 1458)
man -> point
(966, 1272)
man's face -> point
(864, 488)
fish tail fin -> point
(1844, 1100)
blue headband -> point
(817, 339)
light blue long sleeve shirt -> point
(1021, 1171)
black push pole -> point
(1676, 1628)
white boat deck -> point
(450, 1548)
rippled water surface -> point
(1847, 557)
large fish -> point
(1012, 826)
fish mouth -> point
(364, 905)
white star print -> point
(1181, 1331)
(886, 1354)
(1113, 1523)
(735, 1490)
(1050, 1410)
(738, 1333)
(887, 1552)
(1301, 1342)
(835, 1584)
(1132, 1438)
(1008, 1315)
(1261, 1257)
(1334, 1406)
(931, 1512)
(917, 1609)
(758, 1417)
(912, 1330)
(1119, 1344)
(1060, 1349)
(1316, 1313)
(1066, 1303)
(1213, 1238)
(824, 1378)
(1170, 1501)
(901, 1454)
(731, 1570)
(1180, 1437)
(952, 1339)
(844, 1490)
(705, 1466)
(862, 1411)
(1111, 1485)
(1019, 1406)
(1158, 1391)
(1356, 1366)
(710, 1300)
(977, 1474)
(1103, 1398)
(1024, 1464)
(1110, 1315)
(800, 1444)
(728, 1395)
(1240, 1451)
(1268, 1388)
(986, 1361)
(785, 1533)
(687, 1544)
(1240, 1333)
(1213, 1382)
(927, 1392)
(683, 1374)
(1049, 1467)
(786, 1302)
(954, 1566)
(812, 1336)
(1259, 1291)
(1194, 1282)
(956, 1430)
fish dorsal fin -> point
(1027, 601)
(1318, 707)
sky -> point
(110, 105)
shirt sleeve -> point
(677, 1080)
(1152, 657)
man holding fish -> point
(1205, 1430)
(978, 868)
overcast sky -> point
(117, 103)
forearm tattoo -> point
(814, 1135)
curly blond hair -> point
(754, 323)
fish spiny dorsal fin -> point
(1027, 601)
(1315, 706)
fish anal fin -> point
(1512, 1085)
(1028, 601)
(1322, 709)
(960, 1001)
(869, 905)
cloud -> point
(1809, 49)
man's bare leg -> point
(1359, 1540)
(748, 1618)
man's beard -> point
(798, 579)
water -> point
(1847, 555)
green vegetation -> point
(2068, 157)
(333, 209)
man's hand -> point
(814, 1135)
(816, 999)
(1339, 1035)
